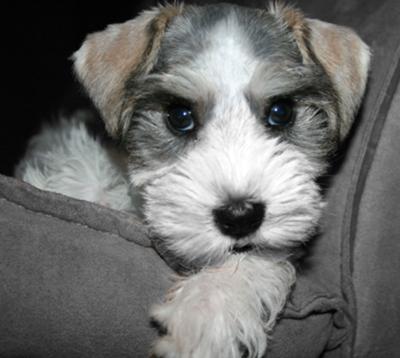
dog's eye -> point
(280, 113)
(180, 119)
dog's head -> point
(229, 115)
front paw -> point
(214, 314)
(204, 329)
(223, 312)
(166, 347)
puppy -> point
(228, 115)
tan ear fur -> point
(346, 59)
(108, 58)
(341, 52)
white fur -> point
(233, 158)
(228, 63)
(221, 310)
(66, 159)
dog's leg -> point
(224, 311)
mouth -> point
(240, 249)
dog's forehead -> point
(224, 40)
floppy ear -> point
(107, 59)
(340, 51)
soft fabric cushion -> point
(78, 280)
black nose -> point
(239, 218)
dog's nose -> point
(239, 218)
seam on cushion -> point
(370, 150)
(312, 301)
(369, 142)
(337, 341)
(53, 198)
(73, 223)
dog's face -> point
(229, 116)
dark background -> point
(39, 82)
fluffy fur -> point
(228, 64)
(65, 158)
(236, 303)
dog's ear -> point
(107, 59)
(341, 52)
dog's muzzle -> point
(239, 218)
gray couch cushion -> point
(72, 289)
(376, 244)
(78, 280)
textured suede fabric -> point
(77, 279)
(70, 289)
(376, 248)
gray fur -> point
(313, 129)
(283, 74)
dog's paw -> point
(198, 329)
(223, 312)
(215, 313)
(165, 347)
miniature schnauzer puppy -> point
(228, 116)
